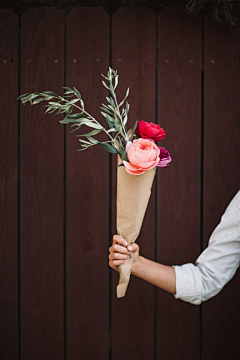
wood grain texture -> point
(41, 189)
(87, 193)
(8, 185)
(134, 56)
(221, 175)
(179, 104)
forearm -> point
(162, 276)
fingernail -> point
(130, 248)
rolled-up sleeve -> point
(218, 263)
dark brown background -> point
(57, 293)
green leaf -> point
(134, 127)
(73, 101)
(63, 122)
(104, 84)
(109, 123)
(121, 144)
(111, 101)
(84, 141)
(110, 74)
(82, 103)
(50, 110)
(84, 148)
(37, 101)
(53, 103)
(91, 133)
(67, 88)
(108, 147)
(104, 77)
(50, 93)
(76, 116)
(91, 124)
(116, 82)
(92, 140)
(106, 110)
(127, 93)
(124, 156)
(77, 92)
(111, 130)
(127, 107)
(122, 164)
(117, 126)
(23, 95)
(29, 98)
(116, 144)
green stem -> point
(115, 99)
(90, 116)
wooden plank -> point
(87, 193)
(179, 103)
(134, 56)
(42, 55)
(8, 185)
(221, 314)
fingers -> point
(115, 263)
(120, 240)
(120, 249)
(117, 256)
(118, 252)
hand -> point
(120, 250)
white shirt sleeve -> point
(217, 264)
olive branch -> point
(116, 115)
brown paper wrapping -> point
(133, 193)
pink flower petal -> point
(131, 166)
(147, 165)
(138, 172)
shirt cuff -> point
(188, 283)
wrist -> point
(136, 265)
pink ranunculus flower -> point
(143, 155)
(165, 157)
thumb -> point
(132, 247)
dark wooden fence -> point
(57, 293)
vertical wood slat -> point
(41, 183)
(221, 175)
(179, 104)
(8, 185)
(134, 56)
(87, 193)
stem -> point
(90, 116)
(115, 99)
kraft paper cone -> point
(133, 193)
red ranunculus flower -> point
(150, 131)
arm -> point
(214, 268)
(162, 276)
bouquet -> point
(136, 148)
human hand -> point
(120, 251)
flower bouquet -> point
(138, 154)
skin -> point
(162, 276)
